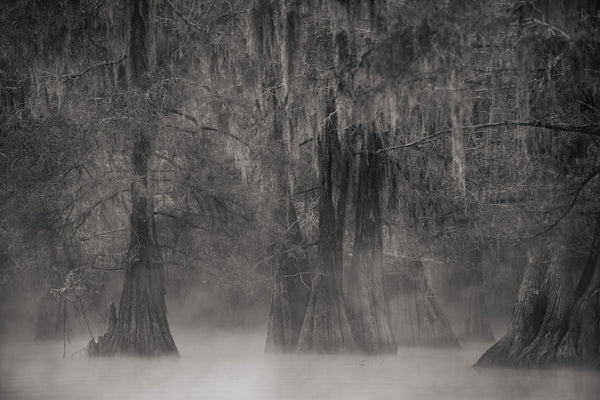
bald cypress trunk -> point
(141, 327)
(554, 320)
(288, 299)
(367, 310)
(325, 328)
(289, 291)
(581, 343)
(415, 315)
(527, 314)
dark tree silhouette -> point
(141, 327)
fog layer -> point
(225, 365)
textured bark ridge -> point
(325, 328)
(289, 295)
(415, 315)
(141, 326)
(289, 278)
(366, 307)
(554, 322)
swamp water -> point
(233, 366)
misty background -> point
(299, 199)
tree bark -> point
(366, 307)
(551, 323)
(581, 342)
(325, 328)
(289, 292)
(141, 326)
(527, 314)
(287, 302)
(415, 315)
(289, 295)
(273, 24)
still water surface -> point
(233, 366)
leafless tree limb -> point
(206, 128)
(591, 129)
(572, 203)
(88, 69)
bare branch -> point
(298, 248)
(107, 269)
(305, 141)
(185, 219)
(86, 214)
(573, 201)
(206, 128)
(592, 129)
(306, 190)
(184, 18)
(88, 69)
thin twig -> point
(306, 190)
(572, 204)
(305, 141)
(185, 19)
(108, 269)
(295, 248)
(86, 320)
(206, 128)
(88, 69)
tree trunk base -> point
(549, 327)
(325, 328)
(415, 315)
(288, 304)
(141, 327)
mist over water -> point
(226, 365)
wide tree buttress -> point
(141, 327)
(326, 328)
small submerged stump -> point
(415, 315)
(102, 347)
